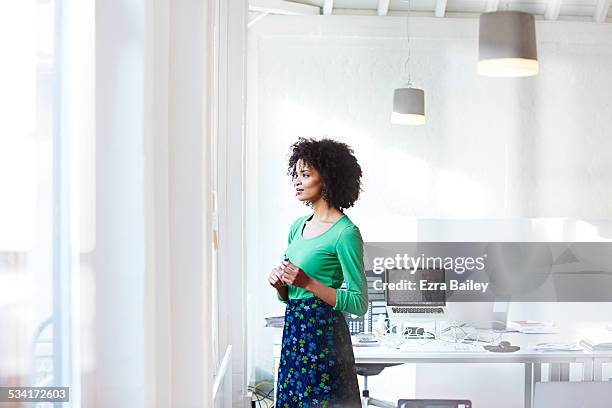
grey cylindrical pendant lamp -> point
(408, 106)
(507, 44)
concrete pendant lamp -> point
(507, 44)
(408, 106)
(408, 102)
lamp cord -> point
(407, 63)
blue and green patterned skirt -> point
(317, 366)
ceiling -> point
(584, 10)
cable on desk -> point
(461, 333)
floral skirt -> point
(317, 366)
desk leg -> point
(529, 386)
(565, 371)
(598, 368)
(537, 373)
(587, 368)
(555, 371)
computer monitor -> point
(479, 315)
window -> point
(35, 323)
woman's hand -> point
(275, 278)
(294, 275)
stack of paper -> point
(360, 342)
(604, 344)
(532, 326)
(275, 321)
(558, 347)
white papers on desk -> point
(557, 347)
(603, 344)
(532, 326)
(357, 343)
(275, 321)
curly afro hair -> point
(337, 165)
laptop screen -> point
(424, 291)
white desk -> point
(532, 360)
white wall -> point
(151, 317)
(492, 148)
(181, 358)
(117, 376)
(231, 193)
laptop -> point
(415, 294)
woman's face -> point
(307, 182)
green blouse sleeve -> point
(349, 247)
(294, 227)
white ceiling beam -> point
(283, 7)
(256, 18)
(383, 7)
(552, 10)
(601, 11)
(440, 8)
(328, 6)
(492, 5)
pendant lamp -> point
(507, 44)
(408, 106)
(408, 102)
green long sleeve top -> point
(333, 257)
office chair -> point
(572, 394)
(367, 370)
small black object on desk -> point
(502, 347)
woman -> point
(325, 249)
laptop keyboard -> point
(417, 309)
